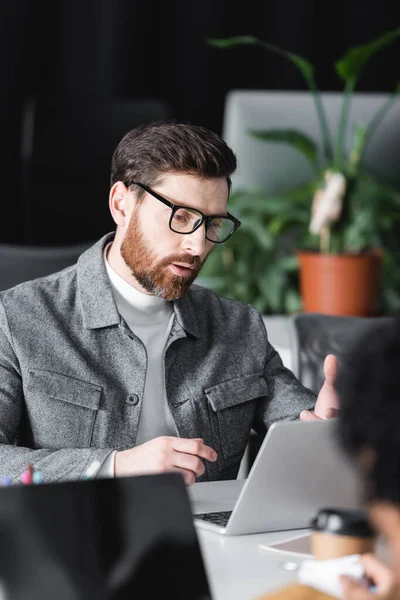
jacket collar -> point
(186, 315)
(97, 300)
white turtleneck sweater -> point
(150, 319)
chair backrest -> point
(67, 147)
(19, 263)
(315, 335)
(275, 167)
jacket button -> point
(132, 399)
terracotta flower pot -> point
(337, 284)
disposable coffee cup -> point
(340, 532)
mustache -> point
(189, 259)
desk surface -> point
(240, 567)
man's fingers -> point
(382, 577)
(374, 568)
(353, 590)
(378, 572)
(331, 413)
(307, 415)
(195, 447)
(189, 462)
(188, 476)
(330, 368)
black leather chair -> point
(66, 152)
(314, 335)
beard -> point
(154, 275)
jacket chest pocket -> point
(232, 405)
(61, 410)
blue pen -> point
(37, 477)
(6, 481)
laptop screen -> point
(103, 538)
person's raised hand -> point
(327, 404)
(382, 579)
(165, 454)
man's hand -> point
(327, 405)
(165, 454)
(382, 578)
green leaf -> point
(357, 148)
(293, 137)
(213, 282)
(272, 285)
(289, 263)
(266, 207)
(302, 64)
(231, 42)
(305, 67)
(292, 301)
(259, 204)
(277, 225)
(350, 66)
(261, 305)
(304, 191)
(260, 234)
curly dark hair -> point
(368, 385)
(150, 150)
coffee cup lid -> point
(342, 522)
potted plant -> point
(341, 222)
(258, 264)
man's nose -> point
(195, 242)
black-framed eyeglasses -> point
(185, 219)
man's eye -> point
(181, 217)
(216, 223)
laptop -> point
(298, 469)
(113, 539)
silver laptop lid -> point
(298, 469)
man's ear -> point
(121, 203)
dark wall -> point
(126, 48)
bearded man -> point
(119, 359)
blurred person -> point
(120, 360)
(369, 390)
(368, 387)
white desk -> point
(238, 567)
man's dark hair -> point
(368, 385)
(150, 150)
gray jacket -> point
(72, 374)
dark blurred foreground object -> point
(19, 262)
(100, 539)
(66, 152)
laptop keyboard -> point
(218, 518)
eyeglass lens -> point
(185, 221)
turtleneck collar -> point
(132, 303)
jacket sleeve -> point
(286, 398)
(55, 465)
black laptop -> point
(129, 537)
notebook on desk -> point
(298, 469)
